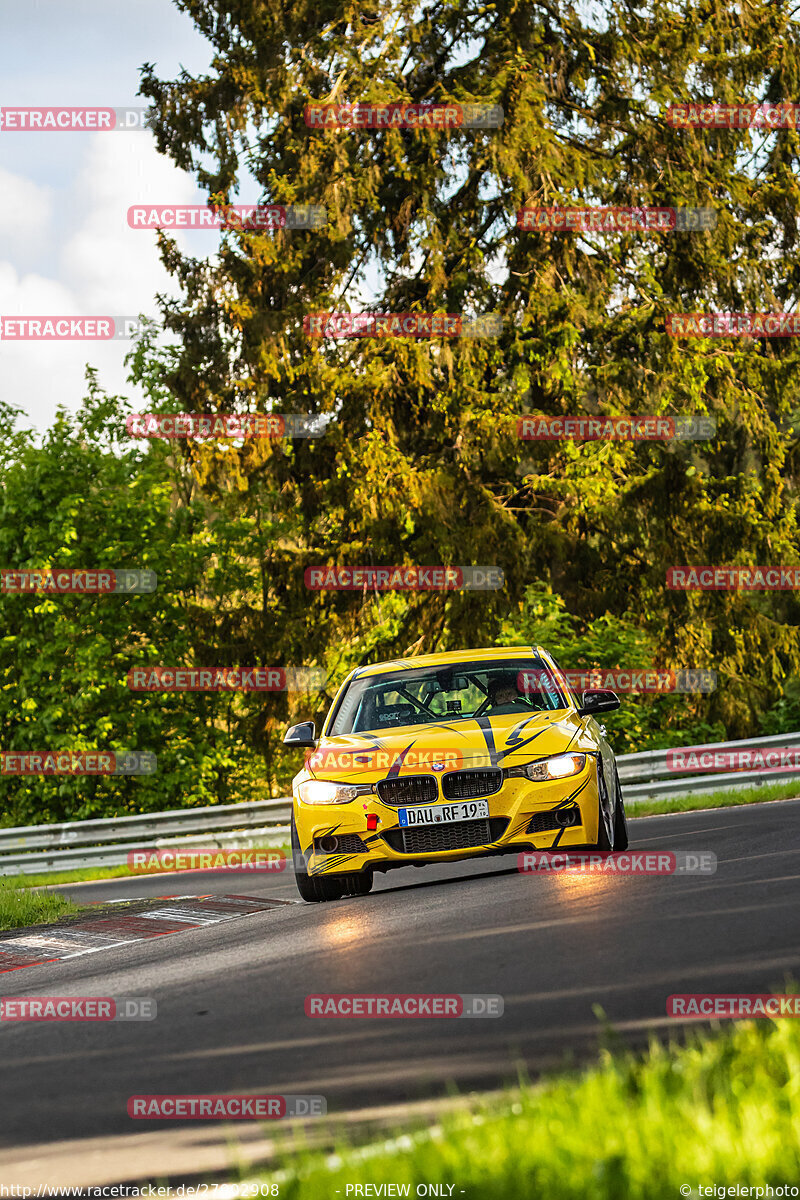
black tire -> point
(620, 820)
(604, 841)
(313, 888)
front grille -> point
(346, 843)
(459, 835)
(543, 821)
(466, 785)
(410, 789)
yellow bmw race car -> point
(450, 756)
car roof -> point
(460, 657)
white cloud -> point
(65, 246)
(101, 267)
(26, 212)
(37, 376)
(112, 267)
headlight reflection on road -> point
(577, 885)
(341, 931)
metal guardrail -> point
(126, 829)
(105, 842)
(646, 776)
(73, 845)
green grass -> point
(720, 1109)
(20, 907)
(722, 799)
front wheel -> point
(620, 820)
(313, 888)
(606, 825)
(317, 888)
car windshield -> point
(447, 693)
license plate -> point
(435, 814)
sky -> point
(66, 248)
(65, 244)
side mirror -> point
(598, 702)
(302, 736)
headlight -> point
(550, 768)
(320, 791)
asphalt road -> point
(230, 997)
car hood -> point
(503, 741)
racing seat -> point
(396, 714)
(374, 716)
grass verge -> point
(722, 799)
(19, 906)
(723, 1108)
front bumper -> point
(523, 815)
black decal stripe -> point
(518, 829)
(339, 860)
(485, 727)
(515, 734)
(396, 766)
(521, 725)
(569, 799)
(513, 745)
